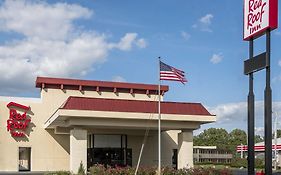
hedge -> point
(101, 170)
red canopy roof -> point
(138, 106)
(90, 85)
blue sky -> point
(121, 41)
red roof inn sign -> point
(259, 15)
(17, 122)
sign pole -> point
(251, 116)
(268, 111)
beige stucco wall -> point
(150, 151)
(45, 146)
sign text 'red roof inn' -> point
(259, 15)
(17, 123)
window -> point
(24, 158)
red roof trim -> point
(76, 84)
(138, 106)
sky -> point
(122, 40)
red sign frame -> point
(254, 23)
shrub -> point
(101, 170)
(238, 162)
(97, 170)
(259, 163)
(81, 169)
(207, 171)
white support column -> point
(185, 149)
(78, 149)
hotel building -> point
(93, 122)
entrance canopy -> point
(127, 114)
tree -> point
(223, 140)
(212, 137)
(237, 137)
(278, 133)
(258, 138)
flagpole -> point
(159, 122)
(166, 72)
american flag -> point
(170, 73)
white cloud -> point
(204, 23)
(206, 19)
(229, 112)
(235, 114)
(141, 43)
(259, 131)
(216, 58)
(185, 35)
(39, 19)
(126, 43)
(51, 45)
(118, 79)
(198, 131)
(26, 59)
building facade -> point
(259, 151)
(210, 154)
(93, 122)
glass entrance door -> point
(108, 150)
(24, 158)
(109, 157)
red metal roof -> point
(76, 84)
(138, 106)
